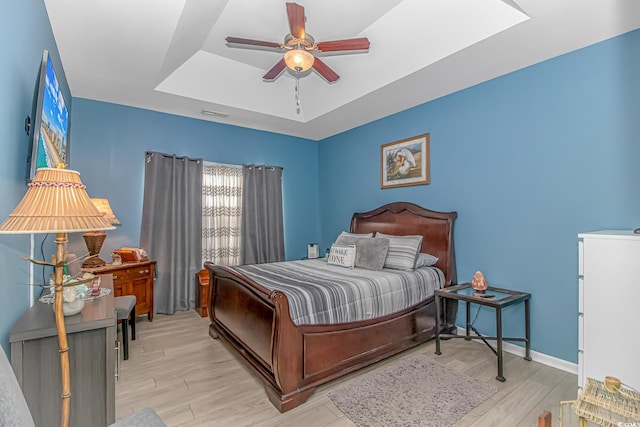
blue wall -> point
(528, 160)
(109, 145)
(24, 33)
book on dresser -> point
(132, 278)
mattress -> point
(319, 293)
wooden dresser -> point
(132, 278)
(92, 358)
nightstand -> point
(202, 292)
(500, 298)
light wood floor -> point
(193, 380)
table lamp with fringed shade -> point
(57, 202)
(95, 239)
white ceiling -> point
(171, 56)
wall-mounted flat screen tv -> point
(50, 124)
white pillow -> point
(403, 251)
(355, 235)
(348, 239)
(344, 233)
(344, 256)
(426, 260)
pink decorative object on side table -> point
(479, 283)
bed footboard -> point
(242, 314)
(248, 319)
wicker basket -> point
(608, 408)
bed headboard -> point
(403, 218)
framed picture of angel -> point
(405, 162)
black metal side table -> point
(501, 298)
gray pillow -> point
(371, 253)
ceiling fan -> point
(300, 49)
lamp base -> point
(94, 262)
(94, 241)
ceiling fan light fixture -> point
(299, 60)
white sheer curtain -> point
(222, 213)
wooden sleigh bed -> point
(290, 360)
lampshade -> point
(95, 239)
(104, 208)
(299, 60)
(56, 202)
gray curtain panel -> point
(172, 227)
(262, 226)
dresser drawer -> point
(133, 273)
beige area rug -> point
(415, 391)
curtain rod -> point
(263, 166)
(150, 154)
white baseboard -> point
(545, 359)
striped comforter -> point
(319, 293)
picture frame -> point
(405, 162)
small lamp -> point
(479, 284)
(57, 202)
(95, 239)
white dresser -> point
(609, 306)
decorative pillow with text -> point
(343, 256)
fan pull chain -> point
(297, 90)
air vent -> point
(214, 114)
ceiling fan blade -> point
(275, 72)
(252, 44)
(295, 12)
(351, 45)
(325, 72)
